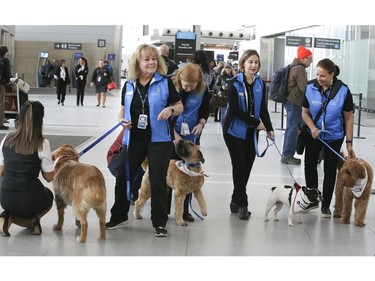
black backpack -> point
(278, 90)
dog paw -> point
(80, 240)
(336, 215)
(204, 213)
(57, 227)
(345, 221)
(276, 219)
(182, 223)
(290, 224)
(137, 216)
(360, 224)
(101, 237)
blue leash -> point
(256, 145)
(99, 139)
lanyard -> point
(143, 100)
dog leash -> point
(326, 144)
(286, 165)
(100, 139)
(256, 145)
(191, 207)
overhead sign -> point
(295, 41)
(327, 43)
(68, 46)
(184, 46)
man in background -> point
(293, 105)
(164, 52)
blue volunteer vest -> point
(157, 97)
(238, 127)
(333, 115)
(190, 114)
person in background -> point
(247, 114)
(100, 78)
(109, 67)
(24, 154)
(5, 76)
(62, 78)
(221, 84)
(335, 123)
(81, 71)
(189, 124)
(48, 73)
(149, 100)
(293, 105)
(171, 65)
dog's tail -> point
(95, 191)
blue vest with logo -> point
(157, 97)
(238, 127)
(332, 117)
(190, 114)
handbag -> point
(219, 99)
(111, 85)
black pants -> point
(158, 155)
(312, 152)
(242, 154)
(61, 89)
(81, 84)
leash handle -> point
(326, 144)
(99, 139)
(256, 145)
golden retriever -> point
(80, 185)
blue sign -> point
(220, 57)
(111, 56)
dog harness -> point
(360, 185)
(184, 167)
(297, 203)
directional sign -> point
(68, 46)
(327, 43)
(295, 41)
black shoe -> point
(326, 212)
(4, 224)
(82, 103)
(3, 127)
(188, 217)
(36, 228)
(114, 225)
(58, 102)
(62, 103)
(233, 208)
(161, 231)
(243, 213)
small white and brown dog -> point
(299, 199)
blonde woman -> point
(149, 100)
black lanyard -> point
(143, 99)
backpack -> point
(279, 85)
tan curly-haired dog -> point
(80, 185)
(183, 176)
(354, 182)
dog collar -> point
(184, 167)
(192, 165)
(360, 185)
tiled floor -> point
(218, 238)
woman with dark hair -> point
(81, 71)
(25, 153)
(334, 124)
(62, 80)
(247, 114)
(200, 57)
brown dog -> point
(183, 176)
(354, 181)
(81, 186)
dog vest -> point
(359, 187)
(298, 204)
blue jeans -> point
(293, 119)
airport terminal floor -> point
(220, 234)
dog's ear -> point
(361, 170)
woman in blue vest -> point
(149, 100)
(335, 123)
(24, 154)
(247, 114)
(189, 125)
